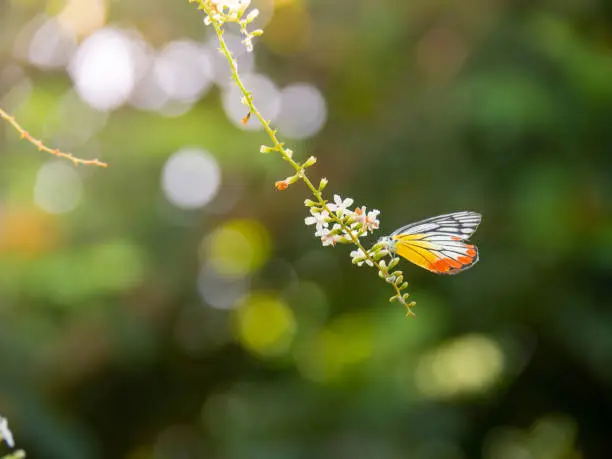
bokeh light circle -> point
(183, 70)
(265, 324)
(104, 70)
(191, 178)
(51, 46)
(58, 187)
(303, 111)
(237, 248)
(221, 291)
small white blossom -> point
(226, 10)
(340, 205)
(320, 219)
(322, 232)
(367, 220)
(330, 237)
(233, 7)
(5, 433)
(360, 258)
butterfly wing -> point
(437, 244)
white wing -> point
(459, 224)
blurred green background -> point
(174, 305)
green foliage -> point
(109, 342)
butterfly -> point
(438, 244)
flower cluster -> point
(222, 11)
(7, 436)
(226, 10)
(336, 223)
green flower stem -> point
(287, 156)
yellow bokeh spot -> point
(265, 325)
(289, 32)
(239, 247)
(83, 17)
(341, 346)
(468, 364)
(27, 232)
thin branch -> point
(42, 147)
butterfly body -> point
(438, 244)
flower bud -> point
(284, 184)
(310, 162)
(322, 183)
(393, 263)
(281, 185)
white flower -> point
(320, 219)
(359, 257)
(227, 10)
(331, 237)
(367, 220)
(5, 433)
(340, 205)
(327, 238)
(231, 5)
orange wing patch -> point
(436, 252)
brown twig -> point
(42, 147)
